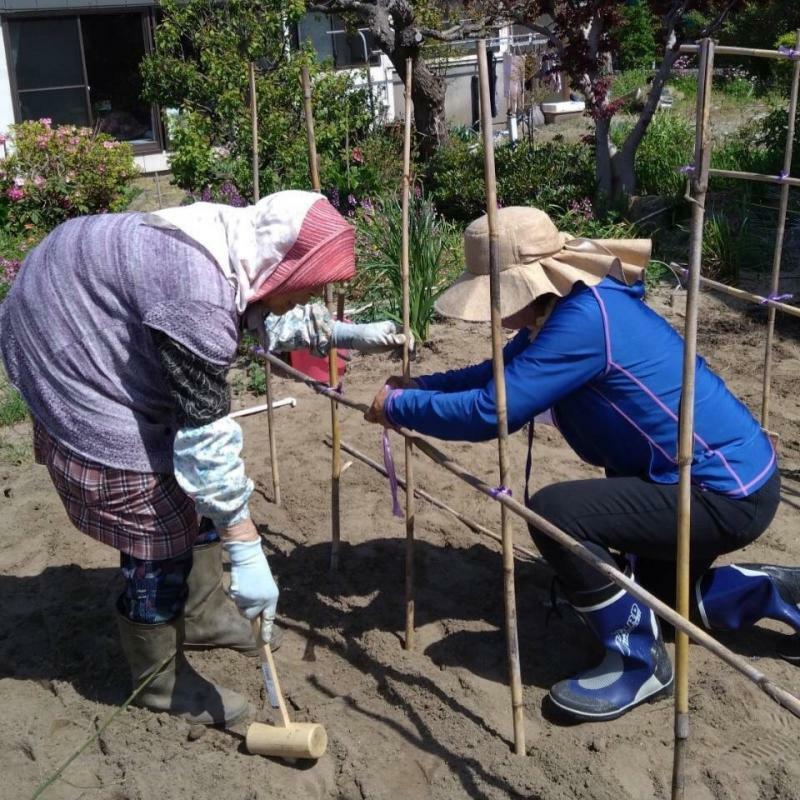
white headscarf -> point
(248, 243)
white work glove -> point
(253, 588)
(371, 337)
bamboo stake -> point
(779, 236)
(273, 444)
(254, 128)
(741, 294)
(727, 50)
(702, 156)
(475, 527)
(408, 643)
(754, 176)
(775, 692)
(512, 639)
(333, 366)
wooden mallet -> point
(288, 739)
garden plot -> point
(433, 723)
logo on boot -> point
(623, 635)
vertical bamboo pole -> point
(333, 366)
(512, 639)
(254, 128)
(273, 445)
(404, 269)
(699, 186)
(779, 236)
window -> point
(331, 39)
(84, 70)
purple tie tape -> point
(498, 490)
(776, 298)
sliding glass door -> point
(84, 70)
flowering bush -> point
(50, 174)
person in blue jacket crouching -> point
(607, 368)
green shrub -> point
(667, 145)
(368, 171)
(742, 151)
(53, 174)
(782, 68)
(729, 245)
(628, 81)
(435, 258)
(774, 130)
(200, 66)
(737, 85)
(12, 406)
(530, 173)
(579, 220)
(636, 43)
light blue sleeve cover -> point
(209, 468)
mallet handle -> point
(266, 656)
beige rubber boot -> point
(210, 616)
(178, 689)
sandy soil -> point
(433, 723)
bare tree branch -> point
(717, 22)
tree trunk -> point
(603, 160)
(427, 94)
(624, 176)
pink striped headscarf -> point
(287, 242)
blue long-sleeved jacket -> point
(609, 368)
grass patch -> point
(12, 406)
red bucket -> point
(314, 366)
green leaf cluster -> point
(635, 36)
(199, 68)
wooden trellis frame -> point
(700, 173)
(785, 181)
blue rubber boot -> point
(739, 595)
(636, 667)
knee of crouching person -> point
(551, 503)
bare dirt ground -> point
(432, 723)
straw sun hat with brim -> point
(535, 259)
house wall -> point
(6, 105)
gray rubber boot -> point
(211, 618)
(178, 689)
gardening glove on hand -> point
(253, 588)
(372, 337)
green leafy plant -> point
(667, 145)
(529, 173)
(579, 220)
(629, 80)
(12, 406)
(200, 66)
(52, 174)
(774, 130)
(636, 42)
(434, 260)
(729, 245)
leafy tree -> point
(583, 34)
(635, 36)
(200, 67)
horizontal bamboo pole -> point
(475, 527)
(728, 50)
(246, 412)
(754, 176)
(741, 294)
(741, 665)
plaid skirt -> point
(144, 514)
